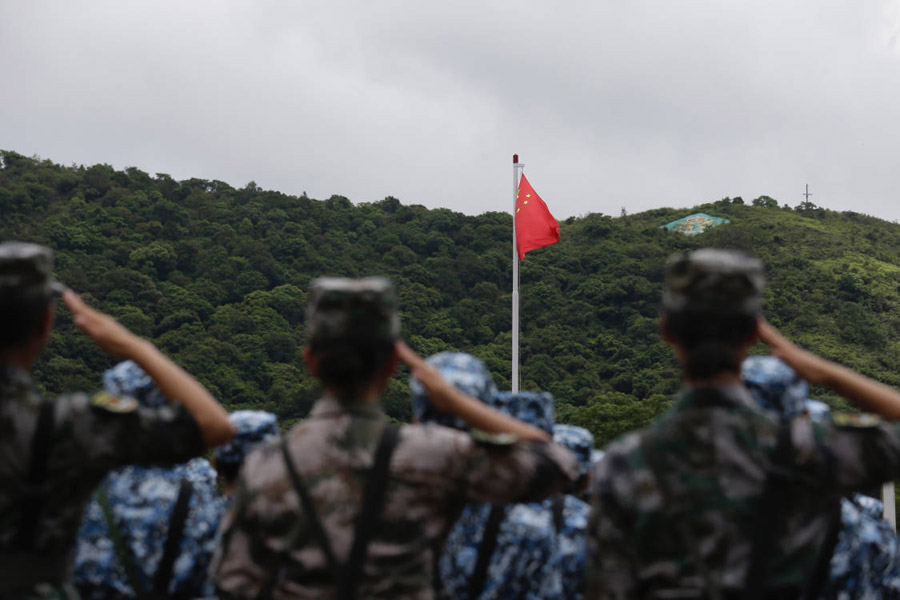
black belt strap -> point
(368, 518)
(309, 508)
(165, 570)
(35, 496)
(121, 549)
(486, 550)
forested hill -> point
(217, 277)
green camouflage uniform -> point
(267, 539)
(90, 436)
(699, 490)
(681, 507)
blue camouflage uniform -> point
(524, 563)
(572, 539)
(866, 558)
(141, 500)
(252, 427)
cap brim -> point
(56, 288)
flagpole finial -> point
(515, 158)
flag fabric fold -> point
(535, 226)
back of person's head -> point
(253, 427)
(535, 408)
(466, 373)
(711, 302)
(580, 442)
(26, 290)
(352, 325)
(774, 385)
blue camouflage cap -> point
(579, 441)
(128, 379)
(596, 457)
(466, 373)
(253, 427)
(535, 408)
(774, 385)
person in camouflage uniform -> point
(572, 541)
(291, 531)
(253, 427)
(126, 526)
(56, 451)
(718, 498)
(866, 559)
(523, 563)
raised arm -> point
(448, 399)
(866, 393)
(173, 381)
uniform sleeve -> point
(864, 451)
(611, 565)
(113, 435)
(237, 570)
(483, 468)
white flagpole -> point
(517, 166)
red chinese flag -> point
(535, 226)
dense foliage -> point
(217, 277)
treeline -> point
(217, 277)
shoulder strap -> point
(309, 508)
(770, 504)
(175, 534)
(369, 516)
(34, 498)
(558, 508)
(119, 546)
(486, 550)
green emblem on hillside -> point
(695, 224)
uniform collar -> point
(331, 406)
(708, 396)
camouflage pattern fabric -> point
(525, 562)
(865, 561)
(572, 538)
(26, 270)
(571, 545)
(463, 371)
(142, 499)
(349, 309)
(577, 440)
(92, 435)
(866, 558)
(253, 427)
(433, 471)
(713, 281)
(687, 523)
(535, 408)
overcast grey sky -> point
(609, 104)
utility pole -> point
(807, 194)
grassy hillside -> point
(217, 276)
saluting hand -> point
(808, 366)
(441, 394)
(113, 337)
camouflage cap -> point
(579, 441)
(253, 427)
(535, 408)
(128, 379)
(774, 385)
(714, 281)
(27, 270)
(345, 309)
(466, 373)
